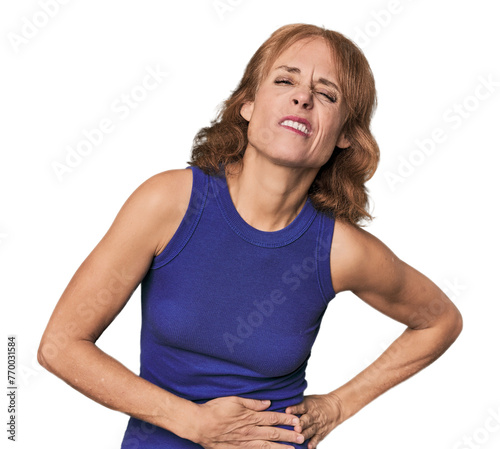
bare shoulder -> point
(168, 190)
(144, 224)
(364, 265)
(358, 258)
(161, 202)
(147, 220)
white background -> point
(442, 218)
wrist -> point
(192, 429)
(183, 419)
(338, 403)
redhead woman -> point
(238, 256)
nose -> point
(302, 97)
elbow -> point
(458, 324)
(453, 325)
(49, 354)
(58, 353)
(43, 355)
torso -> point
(180, 187)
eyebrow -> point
(297, 71)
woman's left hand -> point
(321, 413)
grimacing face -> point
(297, 115)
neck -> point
(266, 195)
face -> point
(297, 116)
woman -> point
(238, 260)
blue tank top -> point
(230, 310)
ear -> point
(246, 110)
(343, 141)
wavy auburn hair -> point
(339, 186)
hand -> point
(321, 413)
(235, 422)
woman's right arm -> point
(99, 290)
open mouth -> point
(299, 125)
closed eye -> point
(331, 98)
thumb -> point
(255, 404)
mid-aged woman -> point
(238, 255)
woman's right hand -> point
(235, 422)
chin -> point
(297, 162)
(296, 159)
(285, 155)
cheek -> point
(334, 130)
(326, 145)
(260, 134)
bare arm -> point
(100, 289)
(364, 265)
(97, 293)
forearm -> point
(102, 378)
(412, 351)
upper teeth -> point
(296, 125)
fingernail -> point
(295, 421)
(300, 439)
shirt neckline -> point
(281, 237)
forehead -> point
(313, 53)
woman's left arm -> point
(364, 265)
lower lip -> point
(295, 130)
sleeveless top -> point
(230, 310)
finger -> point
(313, 442)
(306, 421)
(276, 418)
(278, 434)
(297, 409)
(253, 404)
(260, 444)
(309, 431)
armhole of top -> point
(189, 222)
(323, 256)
